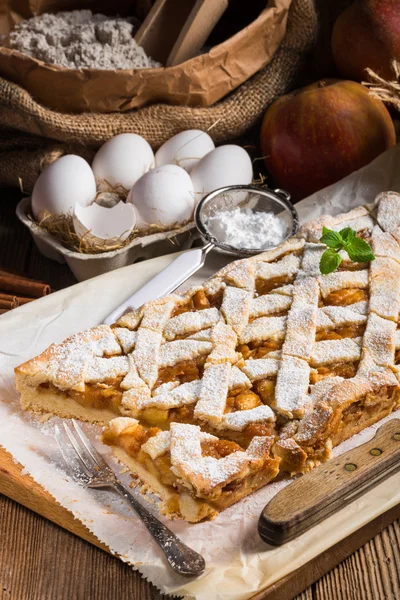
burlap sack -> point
(32, 135)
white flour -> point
(80, 39)
(244, 228)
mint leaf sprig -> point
(357, 249)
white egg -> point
(67, 181)
(104, 225)
(226, 165)
(122, 161)
(184, 149)
(163, 196)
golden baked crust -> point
(268, 349)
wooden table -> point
(40, 561)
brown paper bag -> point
(198, 82)
(32, 136)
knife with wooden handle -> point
(331, 486)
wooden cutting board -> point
(24, 490)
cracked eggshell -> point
(185, 149)
(122, 161)
(102, 225)
(164, 196)
(226, 165)
(65, 182)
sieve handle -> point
(167, 281)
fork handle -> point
(182, 559)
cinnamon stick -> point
(22, 285)
(19, 300)
(3, 310)
(10, 297)
(8, 304)
(9, 273)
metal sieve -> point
(250, 197)
(186, 264)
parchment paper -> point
(238, 563)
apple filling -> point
(183, 372)
(96, 395)
(263, 286)
(347, 331)
(259, 349)
(345, 370)
(397, 357)
(199, 301)
(361, 414)
(346, 297)
(237, 401)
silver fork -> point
(95, 473)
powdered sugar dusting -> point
(236, 307)
(241, 275)
(330, 317)
(286, 267)
(146, 354)
(238, 379)
(302, 318)
(261, 368)
(388, 215)
(329, 352)
(320, 390)
(191, 322)
(120, 424)
(385, 288)
(311, 259)
(224, 341)
(187, 393)
(213, 393)
(157, 445)
(292, 386)
(243, 228)
(101, 369)
(264, 328)
(126, 338)
(270, 304)
(68, 362)
(385, 244)
(379, 340)
(165, 387)
(340, 280)
(240, 419)
(312, 230)
(173, 353)
(156, 315)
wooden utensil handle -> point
(162, 26)
(200, 23)
(328, 488)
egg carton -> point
(85, 266)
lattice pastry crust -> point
(268, 355)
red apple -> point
(317, 135)
(367, 34)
